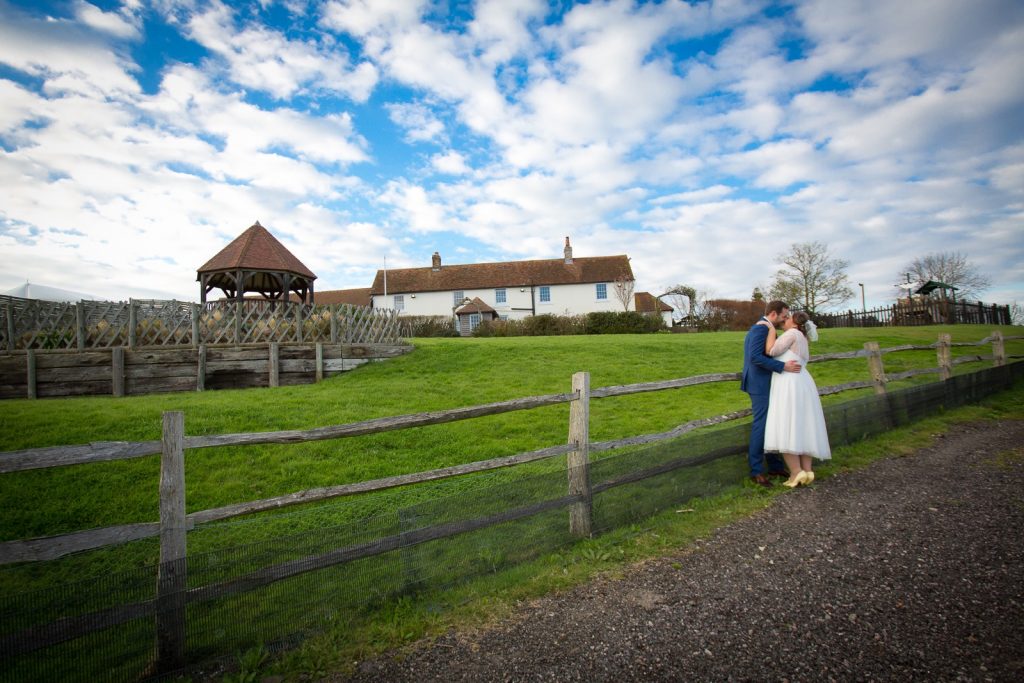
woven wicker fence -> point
(33, 324)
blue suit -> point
(758, 367)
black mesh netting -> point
(272, 578)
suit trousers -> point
(756, 457)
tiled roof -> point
(507, 274)
(355, 297)
(646, 302)
(256, 249)
(477, 305)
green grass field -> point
(439, 374)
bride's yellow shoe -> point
(797, 479)
(810, 476)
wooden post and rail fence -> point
(173, 596)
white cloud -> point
(265, 60)
(122, 24)
(418, 120)
(52, 49)
(451, 163)
(364, 17)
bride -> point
(795, 424)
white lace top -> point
(795, 340)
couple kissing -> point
(787, 414)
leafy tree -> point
(758, 295)
(952, 268)
(810, 278)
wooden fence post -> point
(334, 324)
(171, 583)
(578, 460)
(30, 362)
(875, 366)
(201, 369)
(298, 322)
(197, 311)
(275, 365)
(998, 349)
(319, 361)
(9, 311)
(117, 370)
(80, 325)
(944, 352)
(238, 322)
(133, 323)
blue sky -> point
(138, 138)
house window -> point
(602, 291)
(457, 298)
(474, 321)
(499, 296)
(399, 302)
(545, 295)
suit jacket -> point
(758, 366)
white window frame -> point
(599, 289)
(399, 302)
(458, 296)
(544, 289)
(501, 296)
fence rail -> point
(173, 592)
(34, 324)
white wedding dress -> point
(795, 423)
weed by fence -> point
(157, 618)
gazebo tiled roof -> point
(256, 249)
(256, 261)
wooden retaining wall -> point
(121, 371)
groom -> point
(758, 367)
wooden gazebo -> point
(256, 262)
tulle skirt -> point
(795, 423)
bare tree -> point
(703, 313)
(810, 278)
(624, 286)
(951, 268)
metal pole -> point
(863, 306)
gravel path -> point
(910, 569)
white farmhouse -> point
(510, 290)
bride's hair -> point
(801, 318)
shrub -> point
(622, 322)
(428, 326)
(608, 322)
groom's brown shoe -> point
(761, 480)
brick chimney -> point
(435, 261)
(568, 250)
